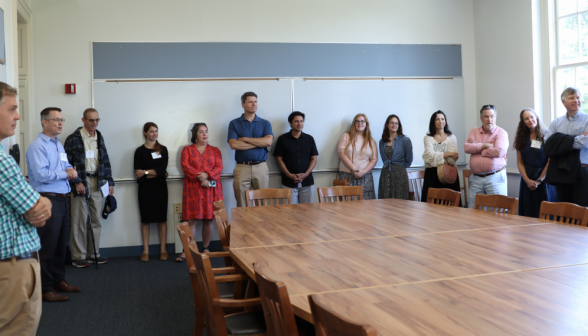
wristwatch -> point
(146, 172)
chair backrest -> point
(443, 197)
(466, 185)
(415, 184)
(279, 316)
(340, 194)
(186, 238)
(224, 229)
(215, 316)
(498, 203)
(218, 205)
(268, 196)
(329, 323)
(569, 213)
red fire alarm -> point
(70, 88)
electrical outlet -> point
(178, 208)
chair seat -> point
(246, 324)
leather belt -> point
(584, 165)
(55, 195)
(92, 175)
(31, 255)
(250, 163)
(492, 173)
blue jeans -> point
(489, 185)
(301, 194)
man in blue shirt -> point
(574, 122)
(21, 210)
(250, 136)
(49, 172)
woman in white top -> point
(358, 153)
(439, 145)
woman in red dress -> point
(202, 165)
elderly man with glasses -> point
(487, 145)
(49, 172)
(86, 150)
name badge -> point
(536, 144)
(90, 154)
(156, 155)
(63, 156)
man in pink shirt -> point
(487, 145)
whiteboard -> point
(329, 105)
(125, 107)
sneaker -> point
(80, 263)
(101, 260)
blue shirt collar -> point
(47, 138)
(574, 118)
(245, 119)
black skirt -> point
(431, 180)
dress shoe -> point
(144, 257)
(163, 256)
(64, 287)
(54, 297)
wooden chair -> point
(415, 184)
(218, 205)
(443, 197)
(498, 203)
(187, 241)
(328, 323)
(224, 229)
(268, 196)
(568, 213)
(340, 194)
(217, 323)
(466, 185)
(279, 316)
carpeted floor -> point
(124, 297)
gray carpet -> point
(124, 297)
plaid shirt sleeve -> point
(14, 190)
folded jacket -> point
(564, 165)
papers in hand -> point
(105, 189)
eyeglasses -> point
(91, 121)
(485, 107)
(360, 122)
(393, 123)
(58, 120)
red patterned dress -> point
(197, 200)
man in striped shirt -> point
(22, 209)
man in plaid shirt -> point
(21, 210)
(86, 151)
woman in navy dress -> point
(532, 164)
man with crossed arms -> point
(487, 145)
(22, 210)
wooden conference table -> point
(411, 268)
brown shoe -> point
(163, 256)
(54, 297)
(64, 287)
(144, 257)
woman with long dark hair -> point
(396, 152)
(359, 154)
(532, 164)
(202, 165)
(440, 145)
(150, 170)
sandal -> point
(205, 249)
(180, 259)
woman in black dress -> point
(532, 164)
(150, 170)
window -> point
(571, 24)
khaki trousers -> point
(249, 178)
(81, 239)
(20, 297)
